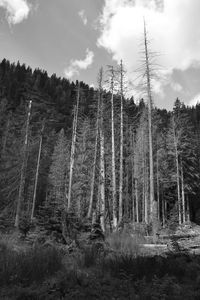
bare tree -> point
(153, 204)
(121, 143)
(95, 160)
(102, 204)
(73, 147)
(177, 170)
(37, 171)
(23, 168)
(113, 150)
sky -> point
(74, 38)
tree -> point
(153, 204)
(102, 203)
(23, 168)
(37, 172)
(58, 169)
(113, 151)
(95, 159)
(121, 141)
(73, 146)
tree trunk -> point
(132, 175)
(37, 172)
(121, 146)
(177, 173)
(188, 209)
(102, 159)
(113, 154)
(136, 200)
(73, 147)
(153, 205)
(158, 186)
(94, 162)
(23, 168)
(163, 210)
(183, 195)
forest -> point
(82, 164)
(49, 125)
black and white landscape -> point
(99, 149)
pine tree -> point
(58, 169)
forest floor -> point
(124, 266)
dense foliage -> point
(176, 137)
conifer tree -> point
(58, 169)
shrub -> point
(125, 242)
(32, 265)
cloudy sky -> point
(73, 38)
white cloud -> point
(195, 100)
(77, 65)
(176, 86)
(174, 27)
(16, 10)
(83, 16)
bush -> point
(125, 242)
(139, 267)
(32, 265)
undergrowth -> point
(28, 266)
(110, 270)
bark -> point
(79, 198)
(188, 209)
(94, 162)
(183, 195)
(177, 172)
(23, 168)
(102, 159)
(113, 156)
(136, 200)
(73, 147)
(132, 176)
(153, 206)
(163, 210)
(121, 145)
(158, 185)
(37, 172)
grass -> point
(114, 270)
(125, 243)
(28, 266)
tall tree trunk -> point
(121, 143)
(73, 147)
(102, 154)
(163, 209)
(153, 204)
(23, 168)
(80, 196)
(37, 172)
(126, 204)
(136, 200)
(113, 152)
(158, 185)
(177, 173)
(188, 209)
(94, 162)
(132, 175)
(183, 195)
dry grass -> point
(125, 242)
